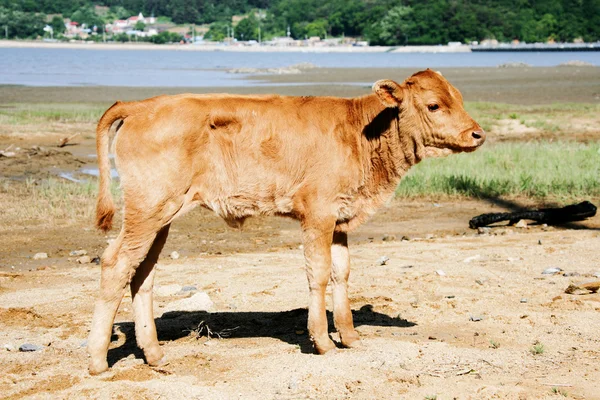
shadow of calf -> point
(281, 325)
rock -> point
(293, 384)
(440, 272)
(472, 258)
(4, 153)
(596, 274)
(198, 302)
(514, 65)
(521, 224)
(506, 231)
(174, 255)
(84, 260)
(592, 286)
(78, 253)
(299, 332)
(523, 300)
(481, 281)
(476, 318)
(568, 274)
(167, 290)
(576, 63)
(540, 242)
(574, 289)
(388, 238)
(40, 256)
(29, 347)
(9, 347)
(96, 260)
(83, 343)
(429, 236)
(189, 288)
(482, 230)
(405, 239)
(383, 260)
(551, 271)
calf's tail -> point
(105, 207)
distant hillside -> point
(385, 22)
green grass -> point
(537, 349)
(561, 392)
(539, 170)
(25, 114)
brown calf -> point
(328, 162)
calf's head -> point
(431, 110)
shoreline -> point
(20, 44)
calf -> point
(327, 162)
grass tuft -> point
(537, 349)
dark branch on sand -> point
(550, 216)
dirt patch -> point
(25, 317)
(511, 129)
(37, 161)
(47, 387)
(139, 373)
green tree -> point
(139, 26)
(546, 28)
(247, 29)
(217, 31)
(318, 28)
(87, 16)
(58, 25)
(397, 26)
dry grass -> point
(47, 202)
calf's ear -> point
(389, 92)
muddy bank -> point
(527, 85)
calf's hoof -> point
(325, 346)
(97, 368)
(350, 340)
(155, 357)
(160, 362)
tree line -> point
(381, 22)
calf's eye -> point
(433, 107)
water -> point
(172, 68)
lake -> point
(172, 68)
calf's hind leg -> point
(340, 271)
(141, 295)
(119, 264)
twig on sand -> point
(6, 152)
(550, 216)
(204, 328)
(63, 142)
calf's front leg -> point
(317, 236)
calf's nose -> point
(479, 136)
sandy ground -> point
(453, 313)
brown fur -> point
(328, 162)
